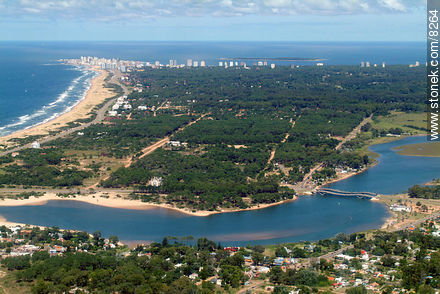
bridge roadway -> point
(367, 195)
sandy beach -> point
(112, 200)
(95, 96)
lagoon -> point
(308, 218)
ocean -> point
(35, 88)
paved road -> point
(100, 115)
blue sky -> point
(213, 20)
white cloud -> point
(393, 4)
(106, 10)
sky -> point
(213, 20)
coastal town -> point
(375, 261)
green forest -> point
(262, 129)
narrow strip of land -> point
(100, 115)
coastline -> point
(95, 95)
(110, 199)
(341, 177)
(113, 201)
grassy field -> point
(421, 149)
(405, 121)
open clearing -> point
(422, 149)
(405, 121)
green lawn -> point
(405, 121)
(421, 149)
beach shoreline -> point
(112, 200)
(95, 95)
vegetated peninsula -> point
(213, 139)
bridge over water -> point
(334, 192)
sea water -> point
(35, 88)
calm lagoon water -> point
(394, 173)
(309, 218)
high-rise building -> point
(272, 65)
(202, 63)
(367, 64)
(189, 62)
(362, 64)
(265, 63)
(157, 63)
(220, 63)
(231, 63)
(195, 63)
(383, 64)
(417, 63)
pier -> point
(334, 192)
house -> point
(343, 256)
(174, 143)
(193, 276)
(232, 249)
(263, 269)
(309, 247)
(403, 208)
(59, 248)
(283, 261)
(436, 233)
(35, 145)
(247, 259)
(155, 181)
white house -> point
(396, 207)
(155, 181)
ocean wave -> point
(64, 102)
